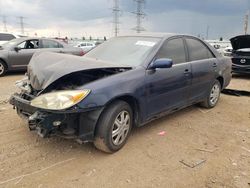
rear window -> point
(51, 44)
(197, 50)
(6, 37)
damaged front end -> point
(71, 123)
(51, 94)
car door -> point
(21, 54)
(51, 46)
(166, 89)
(204, 66)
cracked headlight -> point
(59, 100)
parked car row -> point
(16, 54)
(238, 51)
(127, 81)
(5, 37)
(241, 54)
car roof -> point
(155, 34)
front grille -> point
(241, 61)
(240, 53)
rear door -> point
(167, 88)
(204, 68)
(51, 46)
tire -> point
(3, 68)
(213, 95)
(113, 127)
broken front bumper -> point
(74, 123)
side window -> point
(22, 45)
(51, 44)
(29, 44)
(173, 49)
(197, 50)
(6, 37)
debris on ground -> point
(237, 93)
(162, 133)
(204, 111)
(248, 150)
(2, 102)
(193, 164)
(207, 150)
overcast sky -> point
(77, 18)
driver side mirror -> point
(161, 63)
(17, 48)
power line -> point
(116, 14)
(139, 15)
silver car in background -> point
(16, 54)
(86, 46)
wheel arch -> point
(221, 80)
(133, 103)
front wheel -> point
(113, 127)
(213, 95)
(3, 68)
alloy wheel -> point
(2, 68)
(214, 94)
(121, 128)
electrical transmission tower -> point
(116, 14)
(21, 24)
(246, 22)
(140, 4)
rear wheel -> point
(3, 68)
(213, 95)
(113, 127)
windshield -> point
(130, 51)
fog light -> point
(56, 123)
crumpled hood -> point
(240, 42)
(46, 67)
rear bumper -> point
(76, 124)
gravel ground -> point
(216, 143)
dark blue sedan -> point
(125, 82)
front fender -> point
(130, 83)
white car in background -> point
(86, 46)
(223, 47)
(6, 37)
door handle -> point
(214, 64)
(186, 72)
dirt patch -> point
(215, 143)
